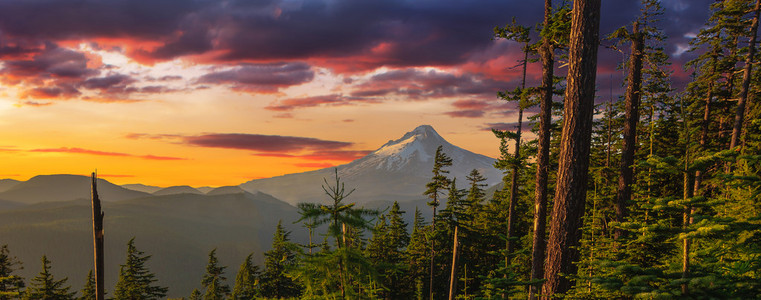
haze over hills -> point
(174, 190)
(50, 188)
(226, 190)
(179, 225)
(398, 170)
(142, 188)
(177, 230)
(6, 184)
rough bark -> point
(633, 94)
(749, 60)
(542, 156)
(97, 232)
(570, 194)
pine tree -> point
(88, 292)
(633, 95)
(247, 280)
(195, 295)
(44, 286)
(386, 250)
(749, 61)
(135, 280)
(514, 164)
(213, 280)
(570, 194)
(275, 282)
(345, 223)
(10, 284)
(416, 256)
(476, 195)
(439, 182)
(554, 33)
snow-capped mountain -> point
(398, 170)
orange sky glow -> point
(215, 93)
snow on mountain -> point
(398, 170)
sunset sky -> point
(210, 92)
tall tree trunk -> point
(633, 94)
(686, 222)
(542, 156)
(97, 232)
(453, 274)
(511, 216)
(740, 111)
(433, 250)
(686, 195)
(704, 128)
(570, 194)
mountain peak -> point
(422, 132)
(415, 143)
(397, 170)
(424, 128)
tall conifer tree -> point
(135, 280)
(274, 281)
(570, 194)
(45, 286)
(213, 280)
(88, 292)
(247, 280)
(10, 284)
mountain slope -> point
(6, 184)
(141, 188)
(398, 170)
(225, 190)
(174, 190)
(50, 188)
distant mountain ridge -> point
(52, 188)
(142, 188)
(179, 189)
(6, 184)
(50, 214)
(398, 170)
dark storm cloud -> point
(422, 85)
(263, 143)
(107, 82)
(272, 145)
(63, 19)
(344, 35)
(52, 62)
(61, 91)
(294, 103)
(386, 32)
(262, 78)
